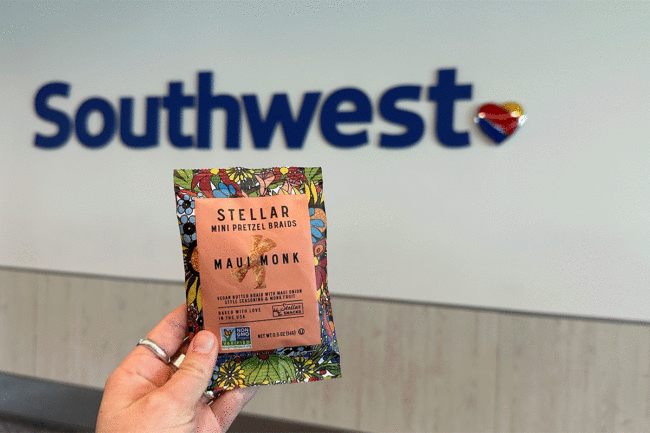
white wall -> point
(556, 219)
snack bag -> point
(255, 257)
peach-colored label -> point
(256, 263)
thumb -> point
(194, 373)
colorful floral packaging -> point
(255, 255)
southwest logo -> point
(500, 121)
(329, 111)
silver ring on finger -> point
(209, 396)
(161, 354)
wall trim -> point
(537, 314)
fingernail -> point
(203, 342)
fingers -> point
(194, 373)
(169, 335)
(178, 357)
(143, 371)
(171, 331)
(230, 403)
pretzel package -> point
(255, 253)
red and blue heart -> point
(500, 121)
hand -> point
(144, 394)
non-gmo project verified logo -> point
(238, 337)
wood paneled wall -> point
(406, 367)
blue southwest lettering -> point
(261, 127)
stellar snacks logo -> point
(331, 112)
(288, 309)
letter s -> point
(47, 113)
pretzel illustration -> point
(259, 247)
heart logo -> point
(500, 121)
